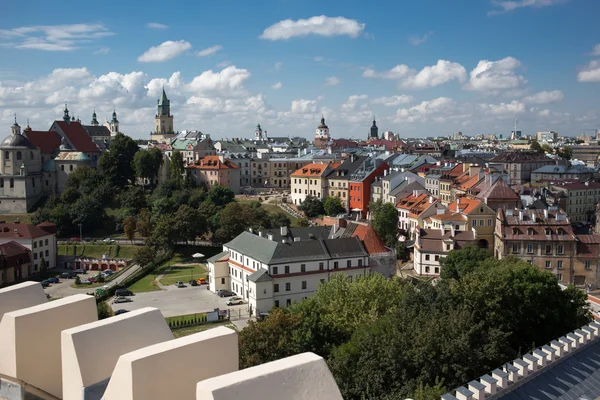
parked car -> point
(75, 239)
(88, 239)
(179, 284)
(86, 282)
(193, 282)
(108, 240)
(53, 279)
(121, 311)
(65, 275)
(45, 284)
(201, 281)
(79, 271)
(234, 301)
(123, 292)
(225, 293)
(122, 300)
(91, 279)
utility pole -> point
(80, 232)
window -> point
(7, 155)
(548, 249)
(335, 265)
(302, 267)
(481, 222)
(530, 231)
(548, 266)
(529, 248)
(348, 264)
(12, 183)
(360, 263)
(560, 249)
(276, 303)
(70, 167)
(559, 277)
(303, 284)
(35, 256)
(437, 270)
(474, 223)
(490, 221)
(18, 155)
(437, 258)
(588, 265)
(275, 287)
(515, 248)
(62, 167)
(559, 264)
(288, 286)
(287, 269)
(321, 266)
(548, 232)
(1, 182)
(288, 302)
(47, 253)
(34, 244)
(222, 281)
(427, 269)
(426, 257)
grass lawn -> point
(96, 250)
(182, 254)
(183, 273)
(199, 328)
(271, 209)
(10, 218)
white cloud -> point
(165, 51)
(503, 6)
(590, 73)
(417, 40)
(230, 80)
(302, 106)
(353, 102)
(103, 50)
(544, 97)
(318, 25)
(54, 37)
(157, 26)
(427, 110)
(332, 81)
(495, 75)
(224, 63)
(503, 109)
(276, 86)
(596, 50)
(209, 51)
(278, 65)
(430, 76)
(393, 101)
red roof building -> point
(47, 141)
(40, 239)
(14, 262)
(216, 170)
(78, 138)
(359, 185)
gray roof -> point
(97, 130)
(17, 141)
(262, 275)
(310, 232)
(346, 168)
(576, 377)
(254, 246)
(217, 257)
(563, 169)
(345, 247)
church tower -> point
(322, 135)
(113, 124)
(94, 119)
(374, 134)
(258, 133)
(163, 118)
(66, 117)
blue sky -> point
(424, 68)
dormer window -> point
(530, 231)
(561, 231)
(515, 231)
(548, 232)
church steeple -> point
(94, 119)
(16, 129)
(164, 105)
(374, 130)
(66, 117)
(114, 116)
(163, 121)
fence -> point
(189, 320)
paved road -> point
(64, 288)
(179, 301)
(140, 242)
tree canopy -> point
(333, 206)
(385, 221)
(116, 163)
(147, 163)
(176, 167)
(312, 207)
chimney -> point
(261, 234)
(521, 215)
(430, 199)
(284, 231)
(452, 230)
(546, 214)
(443, 229)
(270, 236)
(533, 216)
(250, 230)
(587, 184)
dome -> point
(17, 141)
(322, 126)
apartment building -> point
(215, 170)
(433, 244)
(39, 239)
(581, 199)
(480, 217)
(360, 185)
(269, 269)
(543, 238)
(390, 181)
(562, 172)
(520, 164)
(310, 180)
(15, 262)
(589, 154)
(337, 179)
(495, 192)
(447, 181)
(412, 210)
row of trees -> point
(387, 339)
(313, 207)
(564, 152)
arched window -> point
(12, 183)
(18, 155)
(7, 155)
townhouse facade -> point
(15, 262)
(412, 210)
(360, 182)
(310, 180)
(338, 178)
(215, 170)
(520, 164)
(581, 199)
(480, 218)
(40, 240)
(431, 245)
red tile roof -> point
(465, 205)
(213, 162)
(372, 242)
(13, 254)
(24, 231)
(46, 141)
(78, 137)
(312, 170)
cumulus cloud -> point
(303, 106)
(332, 81)
(503, 109)
(503, 6)
(157, 26)
(318, 25)
(277, 85)
(230, 80)
(426, 110)
(224, 63)
(209, 51)
(53, 37)
(590, 73)
(495, 75)
(393, 101)
(417, 40)
(544, 97)
(596, 50)
(165, 51)
(353, 102)
(430, 76)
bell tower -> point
(114, 124)
(163, 119)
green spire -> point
(66, 117)
(164, 101)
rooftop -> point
(213, 162)
(311, 170)
(520, 156)
(46, 141)
(78, 136)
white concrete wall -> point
(90, 352)
(22, 295)
(171, 370)
(30, 340)
(301, 377)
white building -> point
(278, 269)
(40, 239)
(433, 244)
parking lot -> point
(180, 301)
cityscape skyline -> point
(419, 67)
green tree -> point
(461, 262)
(103, 310)
(144, 255)
(233, 220)
(277, 220)
(188, 223)
(385, 221)
(535, 146)
(116, 163)
(143, 224)
(566, 152)
(43, 265)
(147, 164)
(301, 223)
(333, 206)
(164, 233)
(312, 207)
(129, 225)
(220, 196)
(546, 148)
(88, 211)
(133, 199)
(402, 252)
(176, 168)
(210, 213)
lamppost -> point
(80, 232)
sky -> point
(421, 68)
